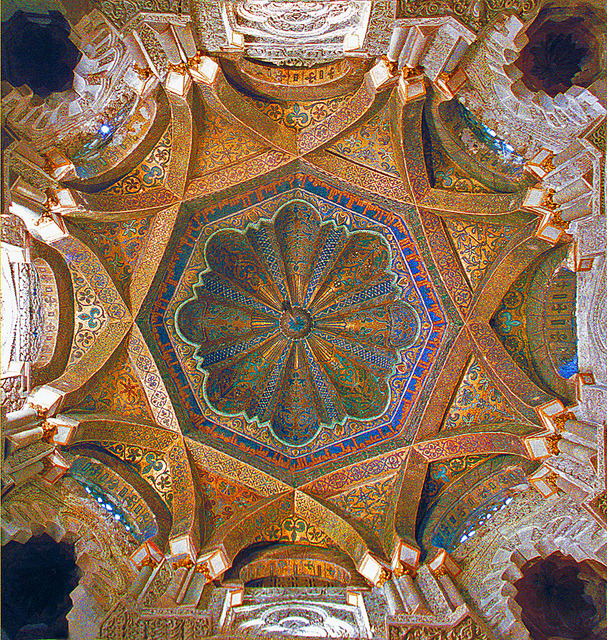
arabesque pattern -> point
(223, 498)
(294, 529)
(246, 216)
(477, 244)
(221, 144)
(151, 172)
(151, 465)
(444, 472)
(299, 115)
(370, 144)
(119, 244)
(478, 401)
(117, 390)
(298, 323)
(367, 503)
(90, 317)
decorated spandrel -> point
(297, 323)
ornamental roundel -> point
(297, 323)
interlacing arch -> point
(566, 528)
(101, 545)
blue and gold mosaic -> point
(298, 322)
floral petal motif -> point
(361, 393)
(393, 326)
(298, 323)
(211, 321)
(363, 262)
(236, 387)
(300, 409)
(231, 255)
(297, 225)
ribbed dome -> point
(298, 324)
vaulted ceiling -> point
(326, 206)
(308, 312)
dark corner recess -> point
(37, 579)
(37, 52)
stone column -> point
(413, 600)
(583, 430)
(165, 36)
(28, 435)
(575, 492)
(572, 191)
(136, 51)
(395, 603)
(17, 420)
(185, 38)
(575, 450)
(413, 49)
(577, 209)
(399, 35)
(142, 579)
(451, 591)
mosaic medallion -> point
(297, 323)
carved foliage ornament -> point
(161, 624)
(297, 32)
(466, 630)
(296, 618)
(475, 13)
(121, 11)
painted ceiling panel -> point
(90, 317)
(223, 498)
(288, 354)
(370, 144)
(477, 244)
(221, 144)
(536, 323)
(116, 390)
(298, 115)
(119, 244)
(368, 504)
(329, 335)
(150, 173)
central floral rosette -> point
(297, 323)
